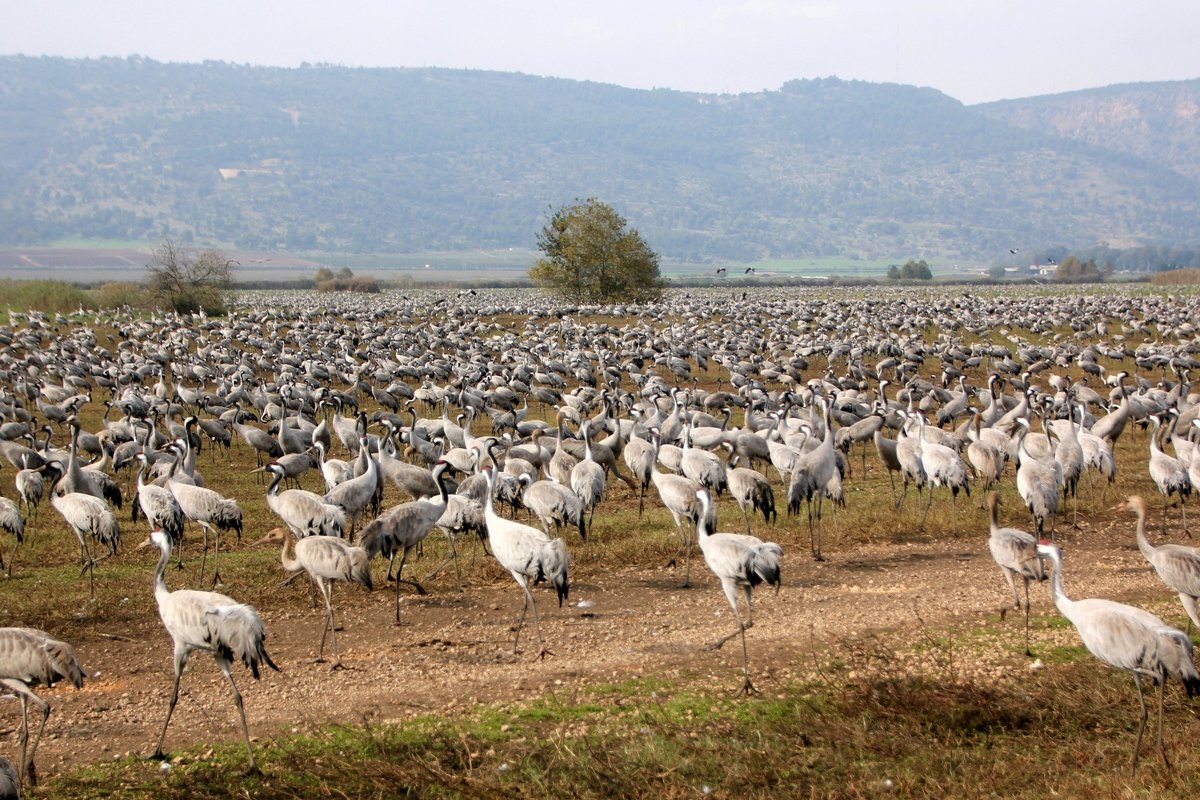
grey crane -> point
(90, 518)
(739, 561)
(553, 504)
(639, 456)
(28, 658)
(354, 495)
(753, 493)
(209, 622)
(815, 476)
(30, 488)
(943, 466)
(402, 528)
(10, 781)
(678, 494)
(587, 478)
(529, 555)
(307, 514)
(1015, 552)
(1170, 475)
(158, 504)
(1129, 639)
(1037, 482)
(326, 559)
(11, 521)
(212, 512)
(1177, 566)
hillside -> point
(407, 160)
(1157, 122)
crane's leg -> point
(237, 701)
(326, 587)
(642, 501)
(526, 600)
(745, 517)
(181, 658)
(1028, 652)
(1162, 687)
(928, 503)
(1183, 515)
(203, 554)
(1141, 719)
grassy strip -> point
(1070, 728)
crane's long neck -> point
(1143, 543)
(702, 531)
(287, 553)
(1063, 603)
(273, 489)
(160, 584)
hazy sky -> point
(973, 50)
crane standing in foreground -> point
(742, 561)
(211, 622)
(529, 555)
(1129, 639)
(29, 657)
(1015, 552)
(1177, 565)
(326, 559)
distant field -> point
(106, 263)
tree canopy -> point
(589, 255)
(912, 269)
(187, 281)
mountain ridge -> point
(323, 158)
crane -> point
(529, 555)
(90, 518)
(28, 658)
(1015, 552)
(739, 561)
(212, 512)
(210, 622)
(1170, 475)
(326, 559)
(402, 528)
(1129, 639)
(587, 479)
(751, 489)
(11, 521)
(1177, 566)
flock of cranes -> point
(300, 384)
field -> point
(895, 667)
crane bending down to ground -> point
(529, 555)
(29, 657)
(1015, 552)
(326, 559)
(1129, 639)
(1177, 566)
(211, 622)
(738, 561)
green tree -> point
(912, 270)
(187, 281)
(589, 255)
(996, 271)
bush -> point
(121, 294)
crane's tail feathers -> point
(762, 562)
(237, 632)
(552, 566)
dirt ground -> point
(455, 649)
